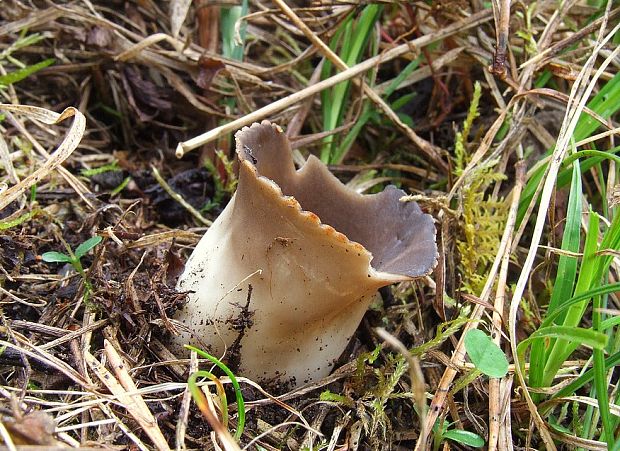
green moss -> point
(482, 217)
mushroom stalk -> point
(282, 278)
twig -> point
(501, 10)
(500, 296)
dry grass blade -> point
(47, 359)
(178, 13)
(125, 390)
(147, 421)
(66, 147)
(416, 376)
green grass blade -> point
(566, 274)
(402, 76)
(18, 75)
(586, 377)
(568, 335)
(348, 141)
(604, 289)
(598, 154)
(235, 384)
(229, 17)
(567, 266)
(600, 377)
(561, 349)
(591, 272)
(199, 397)
(353, 37)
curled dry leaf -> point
(66, 147)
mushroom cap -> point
(399, 237)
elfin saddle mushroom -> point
(282, 278)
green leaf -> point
(464, 437)
(87, 245)
(485, 354)
(56, 257)
(18, 75)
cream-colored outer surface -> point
(310, 286)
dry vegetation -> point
(84, 360)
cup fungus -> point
(282, 278)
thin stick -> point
(500, 296)
(502, 31)
(279, 105)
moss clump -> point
(482, 215)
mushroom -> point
(282, 278)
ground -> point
(498, 120)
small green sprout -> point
(200, 399)
(20, 74)
(74, 259)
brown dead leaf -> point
(35, 428)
